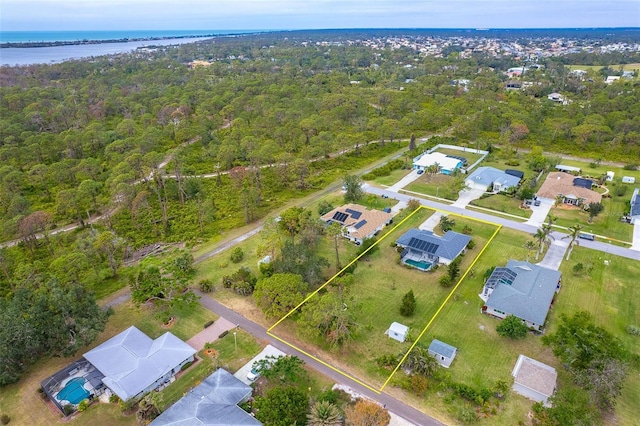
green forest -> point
(146, 149)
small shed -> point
(568, 169)
(628, 179)
(610, 176)
(397, 331)
(442, 352)
(534, 380)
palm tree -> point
(574, 233)
(540, 237)
(552, 219)
(558, 201)
(546, 228)
(324, 413)
(530, 246)
(421, 362)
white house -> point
(397, 331)
(610, 176)
(534, 380)
(133, 364)
(446, 164)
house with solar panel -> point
(423, 249)
(521, 289)
(358, 223)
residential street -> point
(399, 408)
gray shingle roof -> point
(131, 361)
(488, 175)
(529, 295)
(213, 402)
(449, 246)
(441, 348)
(635, 203)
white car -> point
(253, 374)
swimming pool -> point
(420, 265)
(73, 391)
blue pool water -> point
(421, 265)
(73, 391)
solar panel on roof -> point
(340, 216)
(423, 245)
(360, 224)
(354, 213)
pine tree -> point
(408, 304)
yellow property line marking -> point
(415, 342)
(325, 364)
(358, 258)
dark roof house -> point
(423, 248)
(635, 206)
(214, 402)
(521, 289)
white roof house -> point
(133, 363)
(484, 177)
(446, 163)
(534, 380)
(397, 331)
(610, 176)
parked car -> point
(420, 171)
(585, 236)
(536, 203)
(253, 374)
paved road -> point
(507, 223)
(399, 408)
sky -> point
(61, 15)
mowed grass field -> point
(380, 283)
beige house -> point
(358, 223)
(534, 380)
(571, 188)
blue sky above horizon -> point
(75, 15)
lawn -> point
(502, 203)
(22, 403)
(392, 178)
(611, 294)
(379, 285)
(434, 186)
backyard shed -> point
(398, 331)
(442, 352)
(533, 379)
(628, 179)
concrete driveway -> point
(556, 251)
(210, 334)
(636, 236)
(539, 213)
(466, 196)
(269, 350)
(412, 176)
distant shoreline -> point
(30, 44)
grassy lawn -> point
(380, 282)
(434, 186)
(22, 403)
(611, 294)
(470, 156)
(392, 178)
(503, 203)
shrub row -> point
(384, 170)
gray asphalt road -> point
(398, 407)
(507, 223)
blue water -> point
(35, 36)
(73, 391)
(421, 265)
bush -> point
(114, 399)
(578, 268)
(206, 286)
(236, 255)
(630, 166)
(471, 244)
(324, 207)
(467, 414)
(445, 281)
(387, 361)
(84, 404)
(467, 230)
(187, 365)
(224, 333)
(621, 190)
(633, 329)
(5, 419)
(208, 324)
(266, 269)
(68, 409)
(512, 327)
(513, 163)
